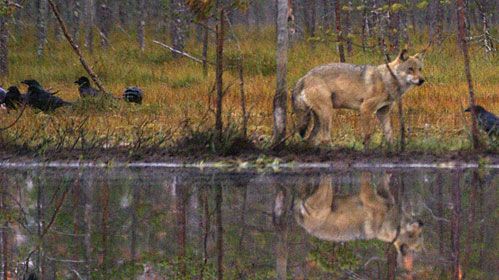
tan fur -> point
(368, 215)
(365, 88)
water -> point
(141, 223)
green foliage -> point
(422, 5)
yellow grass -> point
(176, 92)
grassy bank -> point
(178, 107)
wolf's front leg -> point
(383, 116)
(366, 119)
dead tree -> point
(220, 34)
(461, 10)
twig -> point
(16, 120)
(180, 52)
(75, 47)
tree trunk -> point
(41, 27)
(180, 200)
(57, 28)
(348, 27)
(280, 221)
(205, 49)
(89, 24)
(455, 226)
(280, 97)
(87, 239)
(141, 24)
(220, 30)
(394, 26)
(220, 232)
(4, 50)
(464, 47)
(75, 20)
(337, 14)
(309, 14)
(104, 18)
(104, 251)
(179, 25)
(5, 231)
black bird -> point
(133, 94)
(85, 89)
(13, 97)
(486, 120)
(41, 99)
(3, 95)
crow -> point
(486, 120)
(133, 94)
(3, 95)
(85, 89)
(13, 98)
(41, 99)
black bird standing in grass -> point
(133, 94)
(41, 99)
(13, 98)
(85, 89)
(486, 120)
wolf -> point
(368, 215)
(366, 88)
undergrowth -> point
(177, 116)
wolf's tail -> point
(300, 109)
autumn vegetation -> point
(178, 112)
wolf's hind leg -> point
(321, 200)
(324, 112)
(303, 118)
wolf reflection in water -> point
(370, 214)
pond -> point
(167, 223)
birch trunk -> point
(89, 24)
(280, 98)
(178, 26)
(141, 24)
(41, 27)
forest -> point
(215, 78)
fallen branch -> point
(181, 52)
(16, 120)
(75, 47)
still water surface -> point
(158, 223)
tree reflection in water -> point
(120, 223)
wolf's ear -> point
(402, 55)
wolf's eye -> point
(411, 69)
(419, 69)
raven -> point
(486, 120)
(85, 89)
(133, 94)
(13, 97)
(41, 99)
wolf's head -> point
(408, 68)
(409, 241)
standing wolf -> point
(366, 88)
